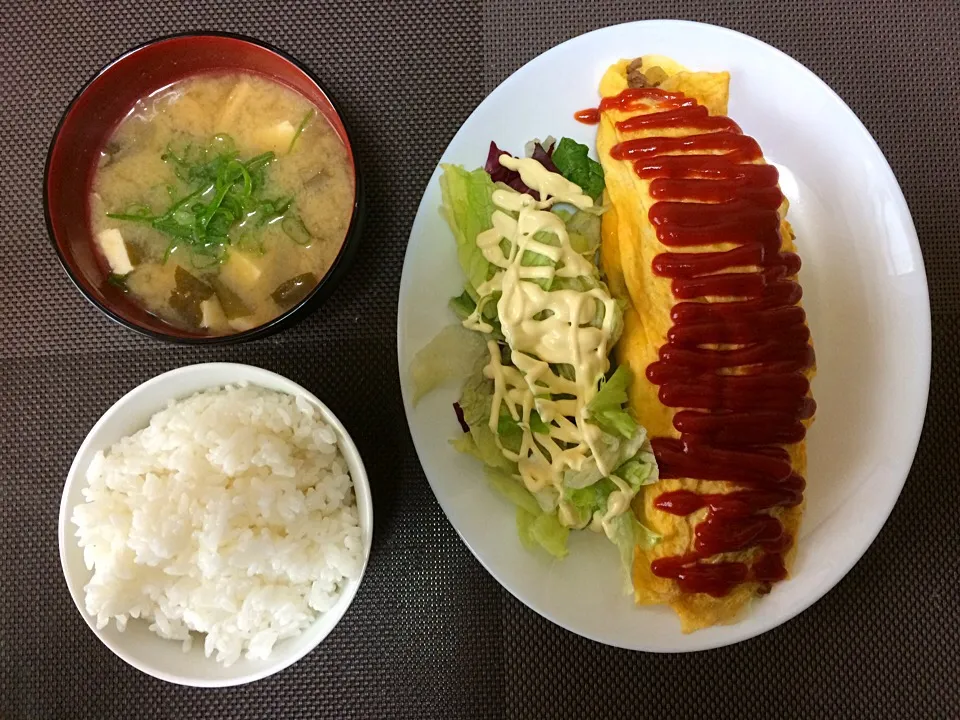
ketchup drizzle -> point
(732, 426)
(590, 116)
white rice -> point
(232, 514)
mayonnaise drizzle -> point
(544, 328)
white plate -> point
(865, 293)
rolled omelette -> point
(697, 244)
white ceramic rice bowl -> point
(137, 645)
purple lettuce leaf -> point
(460, 418)
(498, 173)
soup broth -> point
(220, 202)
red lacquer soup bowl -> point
(93, 116)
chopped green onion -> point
(118, 281)
(224, 143)
(300, 128)
(224, 194)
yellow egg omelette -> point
(729, 531)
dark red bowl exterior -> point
(90, 120)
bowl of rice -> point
(215, 525)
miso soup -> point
(221, 201)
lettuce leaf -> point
(642, 470)
(507, 427)
(610, 451)
(524, 524)
(537, 424)
(468, 208)
(583, 229)
(513, 490)
(476, 401)
(509, 430)
(606, 410)
(574, 163)
(591, 499)
(476, 397)
(452, 354)
(535, 527)
(549, 534)
(638, 471)
(487, 450)
(627, 533)
(480, 444)
(463, 305)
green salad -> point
(541, 405)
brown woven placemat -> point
(430, 633)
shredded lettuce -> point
(509, 429)
(480, 444)
(583, 229)
(524, 523)
(476, 397)
(591, 499)
(574, 163)
(535, 526)
(490, 451)
(622, 444)
(468, 208)
(606, 410)
(609, 452)
(463, 305)
(642, 470)
(451, 355)
(549, 534)
(513, 490)
(627, 534)
(476, 400)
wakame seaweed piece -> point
(189, 284)
(292, 291)
(188, 293)
(296, 230)
(232, 304)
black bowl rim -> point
(289, 317)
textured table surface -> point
(430, 633)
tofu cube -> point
(240, 270)
(235, 100)
(277, 137)
(115, 251)
(212, 313)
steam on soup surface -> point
(221, 201)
